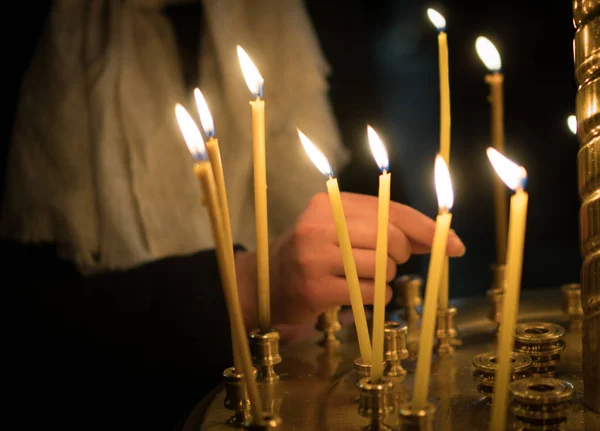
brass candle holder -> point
(394, 348)
(446, 334)
(485, 366)
(541, 403)
(236, 397)
(408, 295)
(375, 403)
(416, 420)
(329, 324)
(265, 354)
(496, 299)
(543, 342)
(571, 305)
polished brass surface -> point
(312, 401)
(265, 354)
(541, 403)
(543, 343)
(268, 423)
(571, 305)
(446, 334)
(416, 420)
(236, 397)
(363, 369)
(394, 347)
(329, 324)
(408, 295)
(375, 403)
(486, 364)
(586, 15)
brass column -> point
(586, 14)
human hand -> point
(306, 268)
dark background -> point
(385, 72)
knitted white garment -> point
(97, 163)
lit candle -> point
(381, 252)
(214, 155)
(358, 310)
(515, 178)
(439, 22)
(491, 58)
(255, 82)
(204, 172)
(572, 123)
(445, 198)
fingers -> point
(365, 265)
(363, 235)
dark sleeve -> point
(156, 335)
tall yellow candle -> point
(356, 301)
(381, 253)
(204, 172)
(255, 82)
(214, 155)
(515, 177)
(445, 197)
(491, 58)
(439, 22)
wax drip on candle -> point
(254, 79)
(191, 133)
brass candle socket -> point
(363, 369)
(541, 403)
(375, 403)
(236, 397)
(571, 305)
(496, 294)
(265, 354)
(446, 333)
(416, 420)
(485, 366)
(407, 294)
(543, 343)
(394, 347)
(329, 324)
(266, 423)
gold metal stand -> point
(543, 342)
(395, 349)
(571, 305)
(408, 295)
(236, 397)
(445, 333)
(375, 403)
(416, 420)
(486, 364)
(329, 325)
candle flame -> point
(206, 119)
(513, 175)
(437, 19)
(254, 79)
(190, 133)
(443, 184)
(488, 54)
(378, 149)
(572, 123)
(315, 156)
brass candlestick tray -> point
(317, 389)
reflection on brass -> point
(408, 295)
(445, 333)
(416, 420)
(329, 362)
(271, 397)
(329, 325)
(236, 397)
(486, 364)
(267, 423)
(265, 354)
(586, 15)
(541, 403)
(395, 349)
(375, 403)
(571, 305)
(543, 343)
